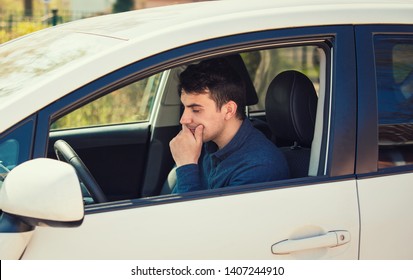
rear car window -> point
(394, 75)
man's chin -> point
(205, 139)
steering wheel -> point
(64, 152)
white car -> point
(102, 93)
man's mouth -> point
(192, 129)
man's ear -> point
(231, 109)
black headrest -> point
(238, 64)
(291, 105)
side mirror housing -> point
(43, 192)
(39, 192)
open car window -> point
(123, 135)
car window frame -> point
(339, 120)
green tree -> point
(123, 6)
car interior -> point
(132, 159)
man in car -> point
(218, 146)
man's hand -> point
(186, 146)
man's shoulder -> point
(263, 157)
(258, 148)
(258, 140)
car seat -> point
(291, 105)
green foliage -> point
(14, 22)
(128, 104)
(252, 59)
(20, 29)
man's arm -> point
(259, 173)
(188, 179)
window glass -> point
(394, 71)
(15, 147)
(131, 103)
(264, 65)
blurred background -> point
(20, 17)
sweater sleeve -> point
(188, 179)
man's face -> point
(200, 109)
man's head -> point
(219, 78)
(214, 96)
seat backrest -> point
(291, 105)
(235, 60)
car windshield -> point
(28, 60)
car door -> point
(314, 217)
(384, 162)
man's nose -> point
(186, 118)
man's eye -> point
(195, 111)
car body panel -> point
(241, 226)
(384, 235)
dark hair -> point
(220, 78)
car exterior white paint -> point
(213, 228)
(382, 195)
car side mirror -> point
(39, 192)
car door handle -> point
(330, 239)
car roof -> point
(286, 13)
(135, 35)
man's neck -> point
(230, 130)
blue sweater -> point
(248, 158)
